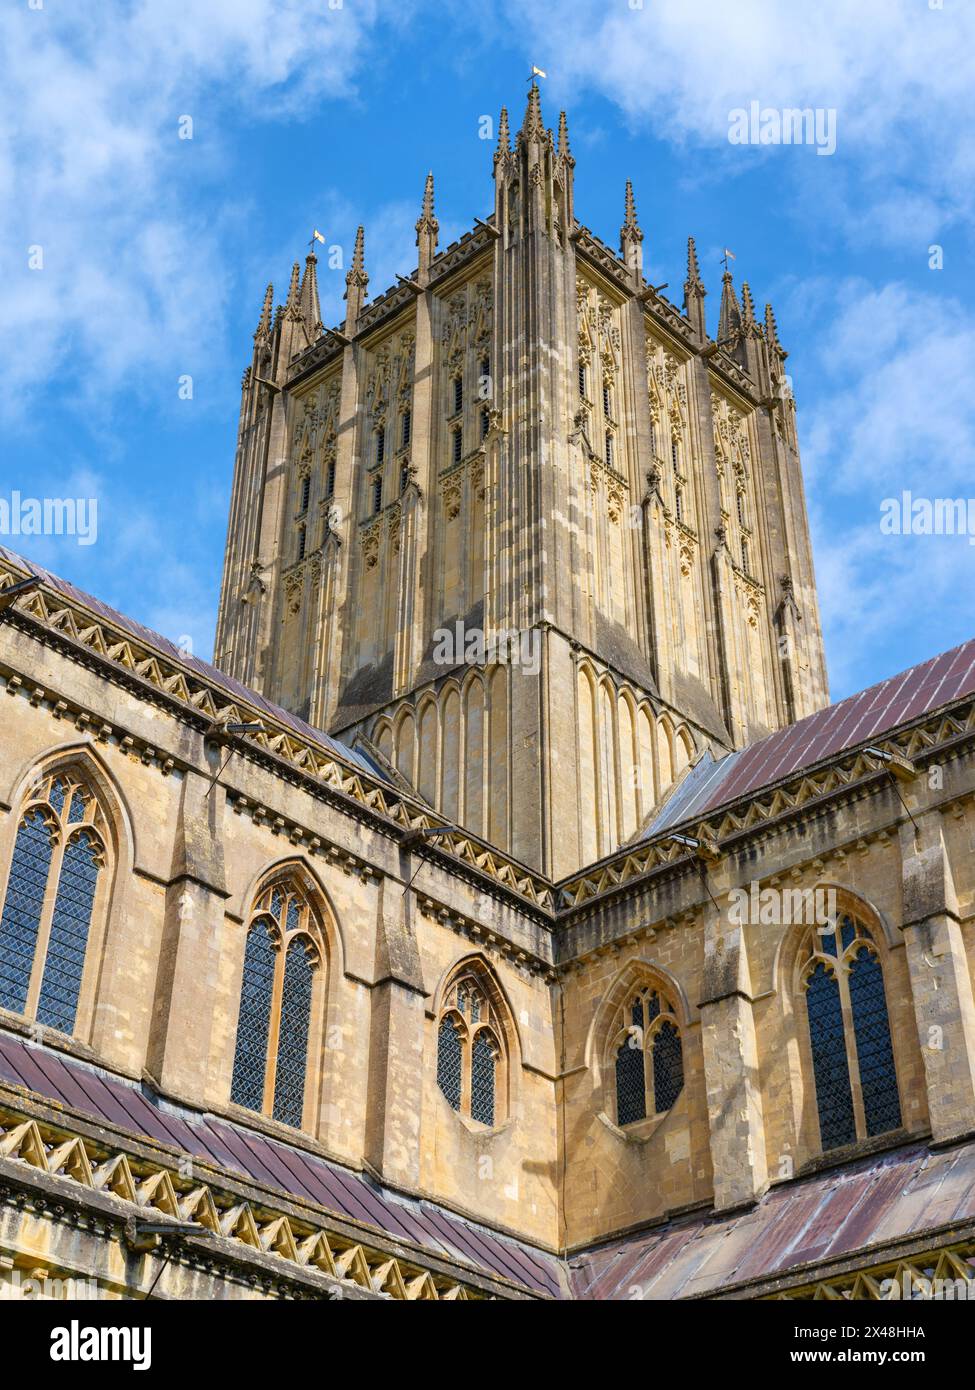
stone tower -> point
(519, 525)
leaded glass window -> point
(289, 1082)
(23, 908)
(450, 1061)
(668, 1066)
(648, 1057)
(470, 1055)
(254, 1020)
(483, 1060)
(854, 1073)
(50, 901)
(631, 1088)
(65, 960)
(875, 1055)
(282, 954)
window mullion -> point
(274, 1027)
(852, 1062)
(466, 1070)
(648, 1067)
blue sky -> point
(306, 113)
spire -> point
(427, 229)
(292, 305)
(264, 322)
(533, 127)
(504, 136)
(693, 280)
(629, 219)
(749, 323)
(772, 331)
(308, 299)
(357, 272)
(694, 293)
(564, 151)
(631, 236)
(355, 283)
(427, 216)
(729, 321)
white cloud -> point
(93, 172)
(899, 74)
(893, 411)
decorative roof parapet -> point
(305, 1242)
(199, 689)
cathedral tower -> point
(519, 525)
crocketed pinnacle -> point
(533, 127)
(748, 312)
(357, 270)
(630, 231)
(263, 329)
(563, 147)
(308, 298)
(693, 281)
(729, 320)
(427, 221)
(292, 305)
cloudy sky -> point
(131, 258)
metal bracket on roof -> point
(897, 765)
(10, 595)
(703, 846)
(223, 732)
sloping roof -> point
(203, 669)
(874, 1202)
(867, 715)
(92, 1091)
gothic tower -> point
(519, 525)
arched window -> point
(58, 857)
(470, 1052)
(849, 1035)
(648, 1057)
(281, 959)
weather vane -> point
(536, 74)
(315, 236)
(726, 257)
